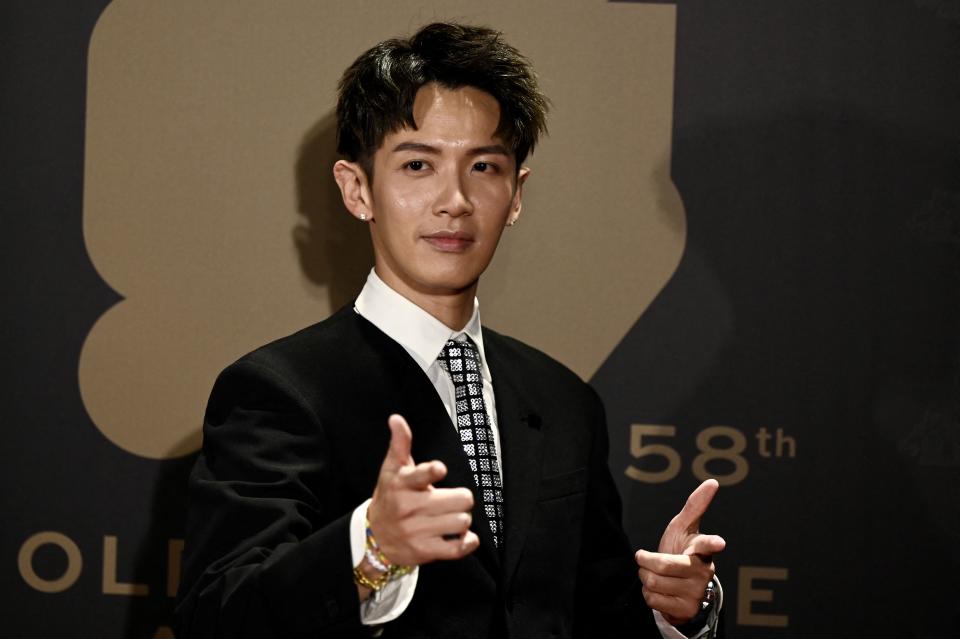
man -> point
(398, 469)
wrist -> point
(375, 569)
(706, 606)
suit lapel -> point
(521, 454)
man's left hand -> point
(675, 577)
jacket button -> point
(331, 607)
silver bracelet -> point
(709, 596)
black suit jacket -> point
(294, 436)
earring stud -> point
(363, 217)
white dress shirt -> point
(423, 337)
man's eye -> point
(415, 165)
(480, 166)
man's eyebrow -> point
(416, 146)
(497, 149)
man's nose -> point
(454, 200)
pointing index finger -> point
(697, 504)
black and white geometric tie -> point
(462, 363)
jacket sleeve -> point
(267, 550)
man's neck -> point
(453, 308)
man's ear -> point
(516, 204)
(354, 188)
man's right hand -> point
(415, 523)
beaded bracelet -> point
(379, 562)
(374, 555)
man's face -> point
(442, 194)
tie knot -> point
(459, 356)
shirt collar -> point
(421, 334)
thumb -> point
(401, 439)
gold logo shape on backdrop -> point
(209, 206)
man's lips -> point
(451, 241)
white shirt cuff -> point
(668, 631)
(387, 604)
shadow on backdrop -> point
(150, 616)
(334, 252)
(334, 247)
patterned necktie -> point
(462, 363)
